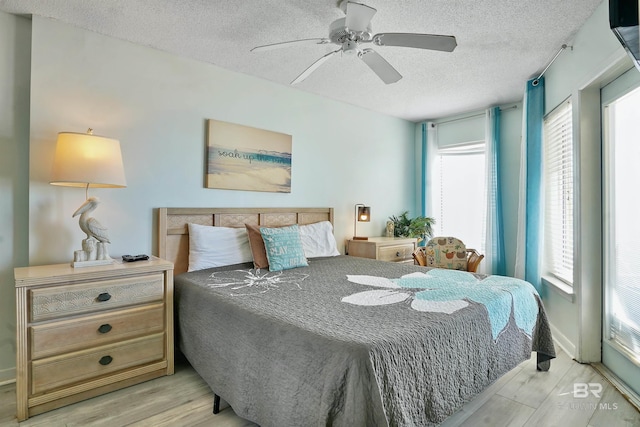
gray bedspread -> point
(354, 342)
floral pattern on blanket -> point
(447, 291)
(252, 282)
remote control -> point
(132, 258)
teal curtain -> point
(423, 171)
(494, 238)
(533, 126)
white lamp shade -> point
(85, 160)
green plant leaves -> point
(419, 227)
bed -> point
(344, 341)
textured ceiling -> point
(501, 44)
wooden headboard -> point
(173, 232)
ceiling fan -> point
(355, 29)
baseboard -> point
(626, 391)
(7, 376)
(563, 342)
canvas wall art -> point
(246, 158)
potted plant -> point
(419, 227)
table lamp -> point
(87, 160)
(363, 214)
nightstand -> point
(394, 249)
(82, 332)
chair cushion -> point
(446, 252)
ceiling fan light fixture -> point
(339, 33)
(350, 48)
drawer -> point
(59, 371)
(396, 253)
(67, 300)
(64, 336)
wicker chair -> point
(447, 252)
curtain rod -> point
(536, 81)
(472, 116)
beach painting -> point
(246, 158)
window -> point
(459, 193)
(558, 192)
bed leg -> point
(543, 362)
(216, 403)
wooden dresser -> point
(395, 249)
(82, 332)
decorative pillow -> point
(284, 247)
(257, 246)
(318, 240)
(217, 246)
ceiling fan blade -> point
(306, 73)
(290, 43)
(359, 16)
(380, 66)
(420, 41)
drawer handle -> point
(103, 329)
(105, 360)
(104, 297)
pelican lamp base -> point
(77, 264)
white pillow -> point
(217, 246)
(318, 240)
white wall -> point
(14, 173)
(157, 105)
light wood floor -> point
(522, 397)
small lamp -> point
(363, 214)
(87, 160)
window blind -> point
(460, 131)
(458, 188)
(558, 189)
